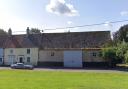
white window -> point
(11, 51)
(28, 59)
(28, 51)
(11, 59)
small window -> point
(28, 59)
(0, 59)
(94, 54)
(28, 51)
(11, 51)
(52, 53)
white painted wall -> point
(18, 52)
(46, 56)
(88, 56)
(72, 58)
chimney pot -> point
(9, 32)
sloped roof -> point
(93, 39)
(18, 41)
(2, 41)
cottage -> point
(18, 48)
(72, 49)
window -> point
(11, 59)
(0, 59)
(52, 53)
(11, 51)
(28, 51)
(28, 59)
(94, 54)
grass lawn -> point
(27, 79)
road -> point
(73, 70)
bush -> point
(121, 50)
(110, 55)
(126, 57)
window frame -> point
(28, 51)
(1, 59)
(28, 58)
(94, 54)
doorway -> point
(73, 59)
(21, 59)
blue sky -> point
(44, 14)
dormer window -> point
(28, 51)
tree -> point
(35, 31)
(121, 50)
(121, 34)
(2, 32)
(110, 55)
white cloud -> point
(69, 22)
(124, 13)
(60, 7)
(108, 24)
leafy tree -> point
(2, 32)
(35, 31)
(121, 34)
(121, 50)
(110, 55)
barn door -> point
(72, 58)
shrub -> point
(110, 55)
(121, 50)
(126, 57)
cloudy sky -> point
(50, 14)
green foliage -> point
(117, 49)
(109, 53)
(121, 34)
(121, 50)
(2, 32)
(35, 31)
(126, 57)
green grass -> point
(27, 79)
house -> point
(72, 49)
(18, 48)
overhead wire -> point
(79, 26)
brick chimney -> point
(9, 32)
(27, 31)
